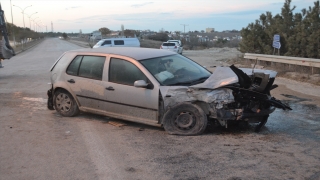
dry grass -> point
(146, 43)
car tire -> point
(185, 119)
(65, 104)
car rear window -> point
(92, 67)
(168, 44)
(87, 66)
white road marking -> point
(106, 167)
(35, 99)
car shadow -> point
(215, 128)
(118, 122)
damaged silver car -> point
(159, 88)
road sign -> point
(276, 38)
(276, 45)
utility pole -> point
(34, 26)
(30, 19)
(184, 27)
(51, 27)
(24, 26)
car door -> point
(126, 101)
(84, 78)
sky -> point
(169, 15)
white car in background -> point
(172, 46)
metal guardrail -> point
(284, 59)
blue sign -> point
(276, 45)
(276, 38)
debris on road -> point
(114, 123)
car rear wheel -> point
(185, 119)
(65, 104)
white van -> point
(118, 42)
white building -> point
(209, 30)
(95, 35)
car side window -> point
(87, 66)
(118, 42)
(107, 42)
(124, 72)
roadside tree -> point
(64, 35)
(299, 32)
(104, 31)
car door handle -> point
(71, 81)
(110, 88)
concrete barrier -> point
(27, 46)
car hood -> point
(223, 76)
(212, 89)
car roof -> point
(132, 52)
(174, 41)
(119, 39)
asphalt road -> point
(36, 143)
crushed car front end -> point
(230, 94)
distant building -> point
(209, 30)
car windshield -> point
(176, 70)
(100, 42)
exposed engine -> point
(252, 100)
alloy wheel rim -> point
(63, 102)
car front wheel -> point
(185, 119)
(65, 104)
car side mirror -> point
(140, 84)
